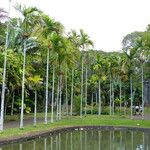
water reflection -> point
(87, 140)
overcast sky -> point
(105, 21)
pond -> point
(84, 139)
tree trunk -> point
(60, 92)
(4, 75)
(85, 88)
(57, 101)
(47, 77)
(113, 103)
(66, 92)
(110, 100)
(131, 94)
(120, 95)
(52, 104)
(12, 105)
(35, 107)
(92, 104)
(72, 92)
(96, 95)
(99, 110)
(142, 93)
(23, 85)
(81, 90)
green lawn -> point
(75, 121)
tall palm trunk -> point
(47, 77)
(52, 104)
(96, 95)
(60, 92)
(72, 92)
(81, 90)
(57, 100)
(99, 108)
(110, 99)
(92, 105)
(66, 92)
(23, 85)
(85, 88)
(142, 93)
(35, 107)
(131, 96)
(4, 75)
(113, 103)
(12, 105)
(120, 95)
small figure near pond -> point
(137, 110)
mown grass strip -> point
(75, 121)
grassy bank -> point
(75, 121)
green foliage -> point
(42, 33)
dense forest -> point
(43, 68)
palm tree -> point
(74, 46)
(35, 82)
(29, 20)
(48, 30)
(53, 89)
(4, 70)
(129, 61)
(101, 69)
(85, 42)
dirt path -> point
(146, 117)
(15, 124)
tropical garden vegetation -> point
(43, 68)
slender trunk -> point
(35, 107)
(60, 92)
(92, 105)
(113, 104)
(12, 105)
(5, 109)
(85, 88)
(66, 92)
(124, 103)
(57, 101)
(4, 75)
(142, 93)
(131, 94)
(110, 100)
(53, 88)
(99, 110)
(72, 92)
(120, 94)
(96, 97)
(81, 90)
(47, 77)
(23, 85)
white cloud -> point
(106, 21)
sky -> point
(105, 21)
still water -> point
(87, 140)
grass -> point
(75, 121)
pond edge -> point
(55, 131)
